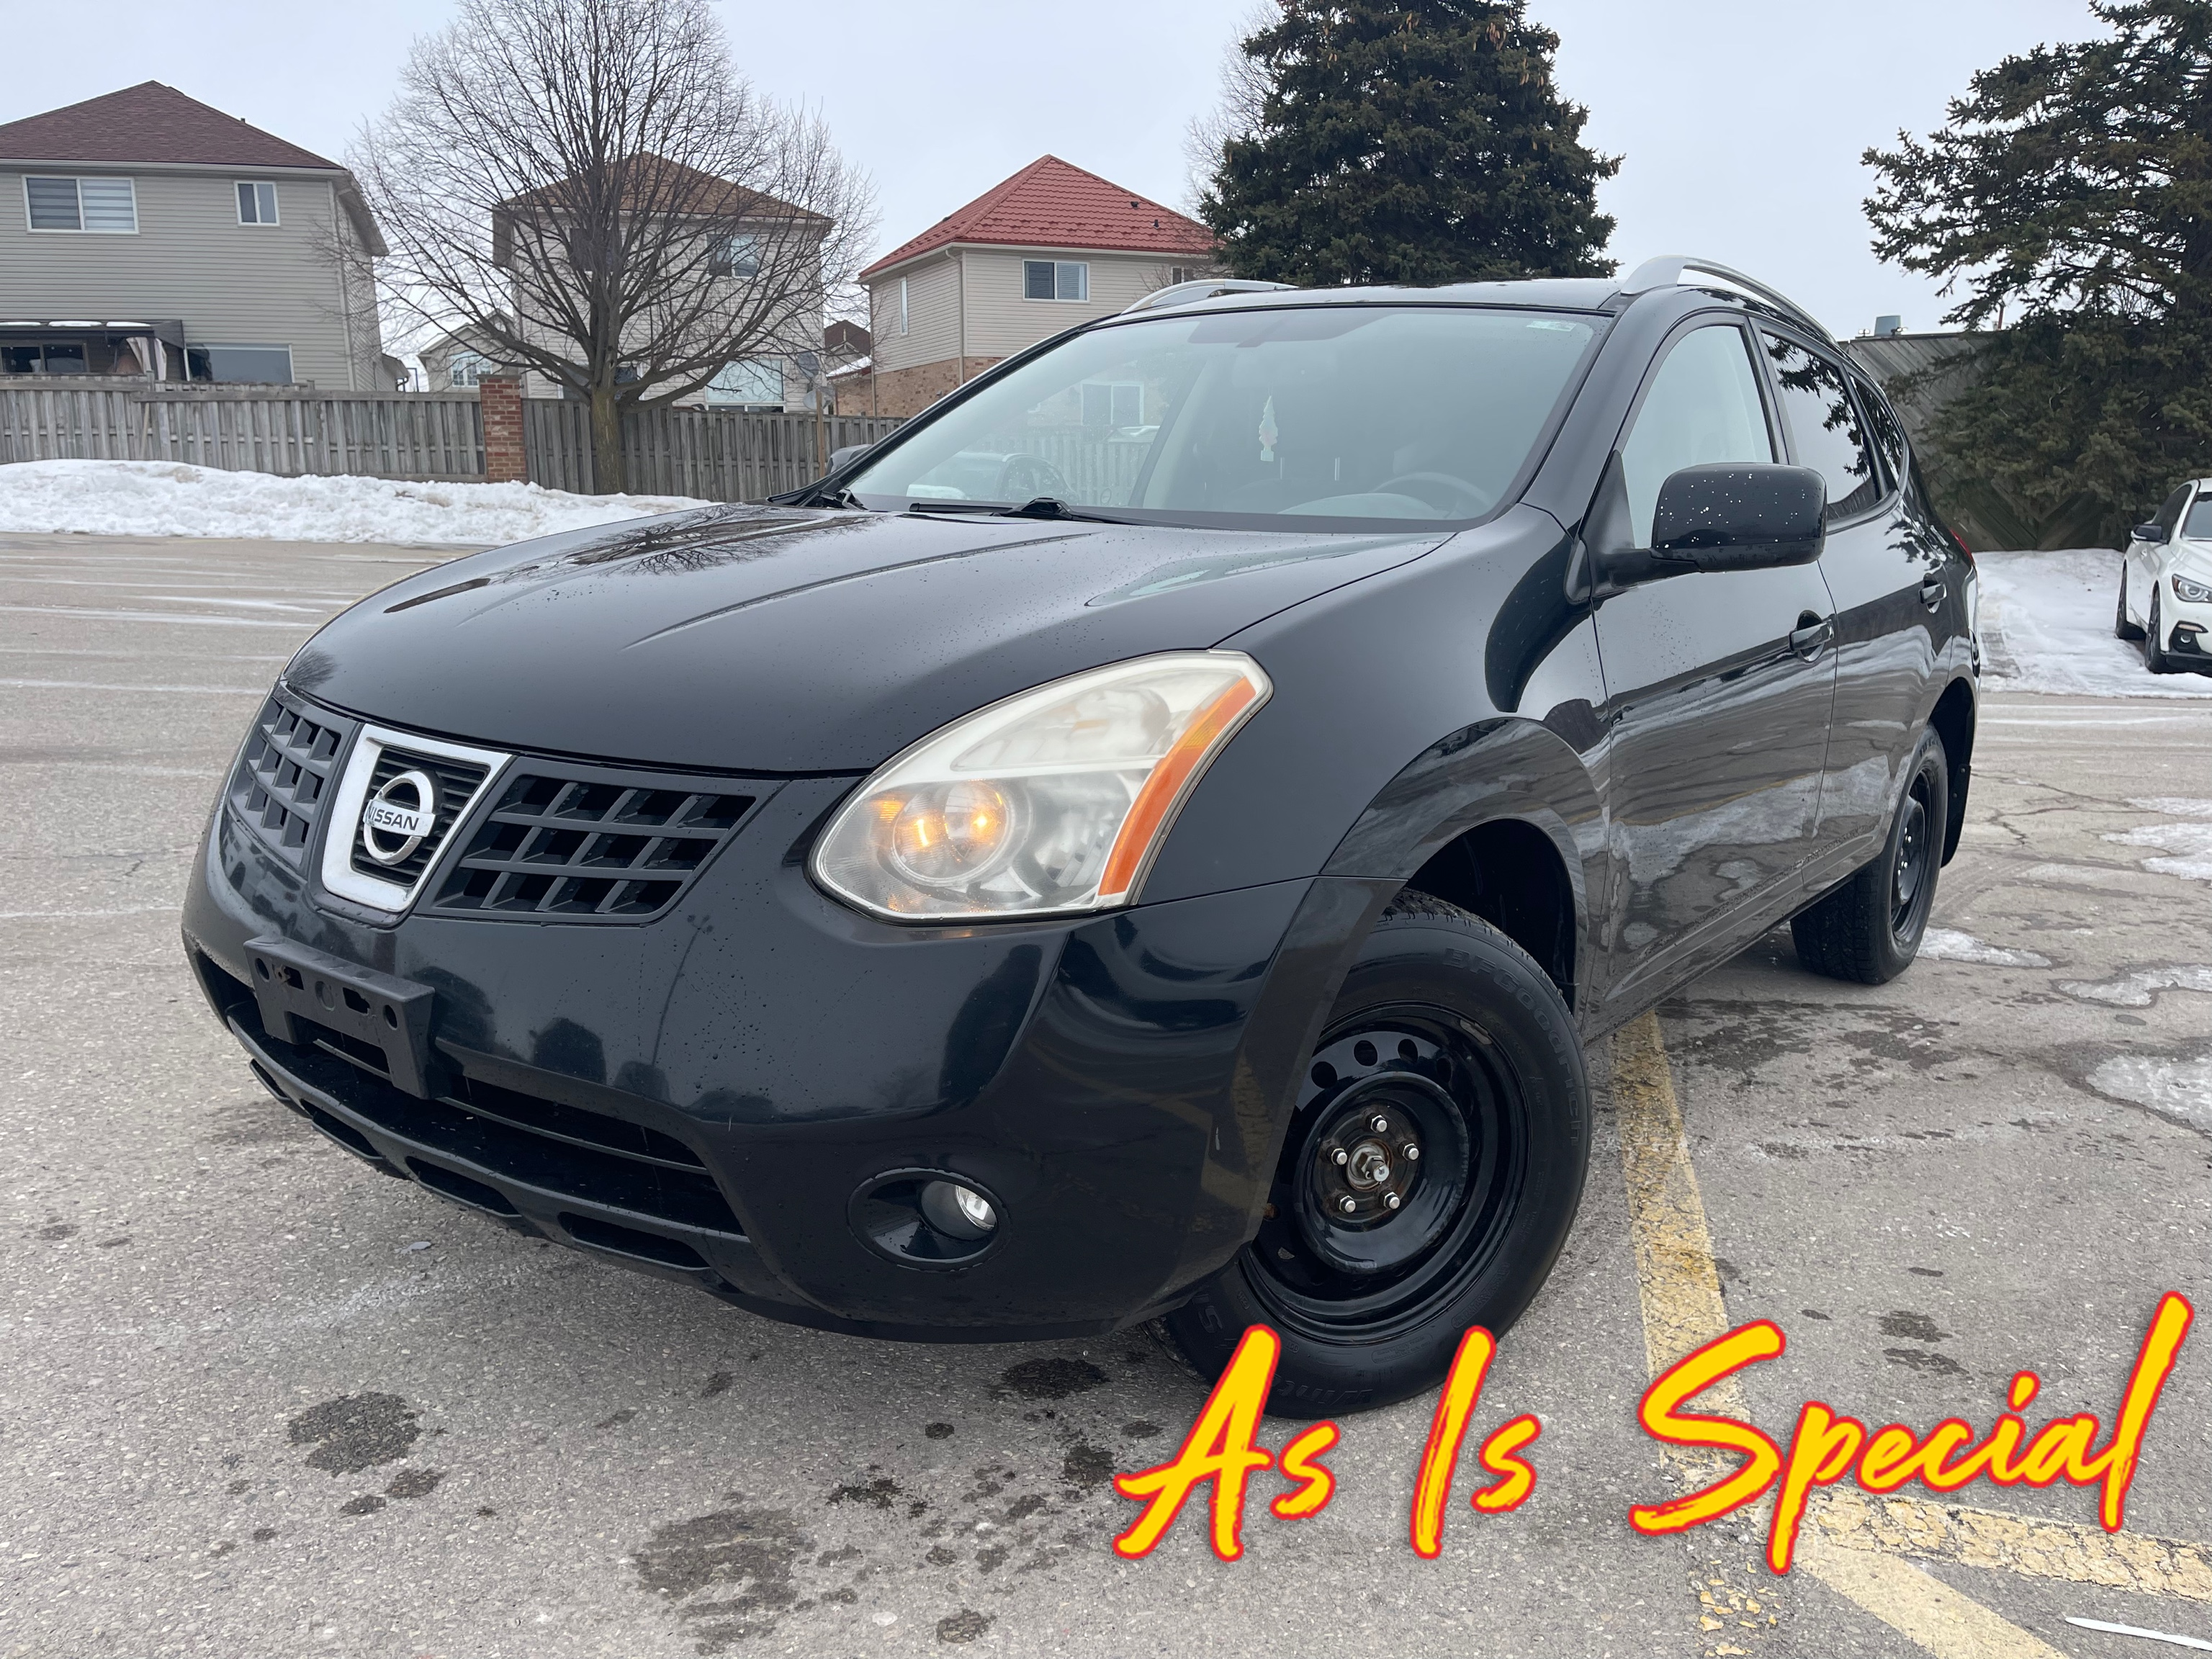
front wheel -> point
(2122, 627)
(1431, 1172)
(1868, 929)
(2153, 639)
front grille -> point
(456, 782)
(566, 842)
(546, 1144)
(283, 778)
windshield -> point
(1341, 413)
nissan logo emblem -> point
(398, 817)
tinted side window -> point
(1703, 406)
(1825, 427)
(2170, 514)
(1882, 423)
(2199, 527)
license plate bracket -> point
(297, 986)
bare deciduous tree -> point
(1236, 111)
(589, 190)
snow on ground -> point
(2181, 1088)
(2046, 625)
(160, 498)
(1949, 945)
(2138, 989)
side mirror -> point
(1740, 516)
(840, 458)
(2153, 531)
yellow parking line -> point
(1680, 1289)
(2013, 1543)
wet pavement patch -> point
(356, 1431)
(1086, 1467)
(616, 1420)
(1050, 1379)
(1925, 1361)
(413, 1483)
(740, 1561)
(964, 1625)
(880, 1492)
(938, 1431)
(1913, 1327)
(367, 1503)
(717, 1383)
(1140, 1430)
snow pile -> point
(160, 498)
(1948, 944)
(2046, 622)
(2179, 1088)
(2189, 845)
(2136, 990)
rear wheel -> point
(1431, 1172)
(2153, 639)
(2122, 627)
(1868, 929)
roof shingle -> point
(1051, 204)
(149, 122)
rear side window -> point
(1825, 427)
(1883, 424)
(1703, 406)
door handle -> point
(1812, 635)
(1932, 590)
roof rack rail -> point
(1206, 287)
(1667, 271)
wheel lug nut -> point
(1349, 1206)
(1411, 1154)
(1339, 1155)
(1378, 1123)
(1389, 1201)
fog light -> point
(956, 1211)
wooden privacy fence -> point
(717, 454)
(382, 436)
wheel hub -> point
(1384, 1153)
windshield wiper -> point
(1051, 506)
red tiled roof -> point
(1049, 204)
(149, 122)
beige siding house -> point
(144, 232)
(1050, 248)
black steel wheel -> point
(1431, 1168)
(1870, 929)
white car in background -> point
(2166, 583)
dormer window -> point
(257, 202)
(109, 206)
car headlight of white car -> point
(1052, 801)
(2193, 592)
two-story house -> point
(144, 232)
(1051, 246)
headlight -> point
(2195, 592)
(1052, 800)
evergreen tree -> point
(1408, 141)
(2070, 196)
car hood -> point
(780, 640)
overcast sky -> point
(1740, 122)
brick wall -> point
(500, 398)
(910, 391)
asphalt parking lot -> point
(260, 1401)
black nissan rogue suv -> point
(1150, 840)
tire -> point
(1870, 929)
(2122, 627)
(1452, 1035)
(2153, 640)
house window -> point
(749, 383)
(738, 257)
(256, 203)
(267, 365)
(902, 305)
(467, 367)
(1055, 279)
(1113, 403)
(109, 205)
(53, 358)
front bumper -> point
(702, 1096)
